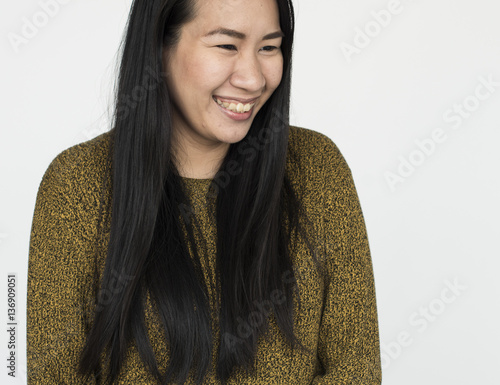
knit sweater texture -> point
(338, 315)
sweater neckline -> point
(196, 180)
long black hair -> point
(257, 213)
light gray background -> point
(432, 235)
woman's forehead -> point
(246, 16)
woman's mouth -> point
(238, 110)
(235, 106)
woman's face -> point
(224, 68)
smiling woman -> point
(226, 65)
(140, 274)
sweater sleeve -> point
(57, 277)
(348, 347)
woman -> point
(203, 239)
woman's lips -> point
(235, 105)
(230, 108)
(235, 100)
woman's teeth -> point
(239, 108)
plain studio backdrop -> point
(408, 90)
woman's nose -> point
(248, 74)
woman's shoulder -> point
(306, 135)
(91, 151)
(79, 169)
(314, 154)
(84, 157)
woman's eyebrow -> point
(241, 35)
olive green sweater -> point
(338, 317)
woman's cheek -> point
(274, 70)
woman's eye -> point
(228, 47)
(269, 48)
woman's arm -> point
(58, 276)
(349, 338)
